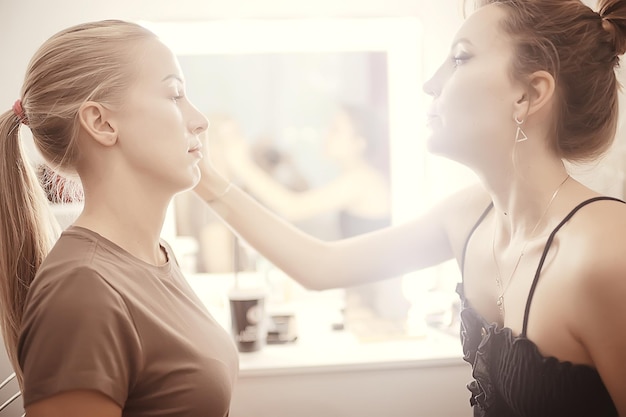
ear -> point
(97, 122)
(537, 95)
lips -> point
(196, 148)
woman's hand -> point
(213, 180)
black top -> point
(512, 378)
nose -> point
(433, 86)
(198, 122)
(429, 87)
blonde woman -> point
(102, 323)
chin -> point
(190, 181)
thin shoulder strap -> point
(469, 236)
(545, 253)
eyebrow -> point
(174, 76)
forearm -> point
(317, 264)
(291, 250)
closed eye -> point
(459, 60)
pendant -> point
(520, 136)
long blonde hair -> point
(91, 61)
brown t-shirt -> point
(97, 318)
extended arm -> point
(317, 264)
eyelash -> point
(176, 98)
(458, 60)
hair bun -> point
(613, 14)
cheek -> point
(464, 130)
(476, 109)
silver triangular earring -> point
(520, 136)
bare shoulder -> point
(598, 249)
(597, 234)
(439, 233)
(601, 225)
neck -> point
(132, 220)
(523, 202)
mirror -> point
(313, 102)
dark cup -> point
(248, 318)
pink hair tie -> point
(18, 110)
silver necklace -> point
(500, 299)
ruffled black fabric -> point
(513, 379)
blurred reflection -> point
(358, 192)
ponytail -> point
(67, 70)
(26, 232)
